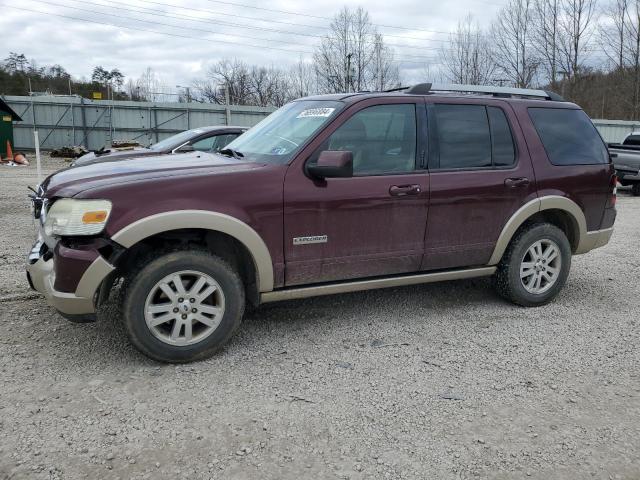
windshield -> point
(175, 140)
(279, 136)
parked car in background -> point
(203, 139)
(626, 160)
(330, 194)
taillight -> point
(613, 197)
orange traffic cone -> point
(9, 151)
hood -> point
(93, 157)
(73, 180)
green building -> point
(7, 117)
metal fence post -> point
(226, 105)
(84, 122)
(155, 122)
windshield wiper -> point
(231, 153)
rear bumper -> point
(595, 239)
(41, 276)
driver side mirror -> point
(332, 164)
(185, 148)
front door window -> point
(382, 139)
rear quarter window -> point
(568, 136)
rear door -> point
(373, 223)
(480, 174)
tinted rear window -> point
(463, 136)
(504, 153)
(568, 136)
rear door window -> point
(569, 137)
(464, 139)
(502, 147)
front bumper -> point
(41, 276)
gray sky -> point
(79, 45)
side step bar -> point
(344, 287)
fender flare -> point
(202, 219)
(534, 206)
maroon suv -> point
(329, 194)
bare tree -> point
(576, 24)
(612, 33)
(148, 86)
(467, 58)
(384, 71)
(632, 55)
(514, 54)
(545, 35)
(231, 75)
(245, 85)
(268, 87)
(303, 79)
(352, 57)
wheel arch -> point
(559, 211)
(165, 222)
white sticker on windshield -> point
(316, 112)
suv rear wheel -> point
(635, 189)
(183, 306)
(535, 267)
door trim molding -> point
(360, 285)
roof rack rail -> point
(426, 88)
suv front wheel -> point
(535, 267)
(182, 306)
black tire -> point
(507, 281)
(140, 283)
(635, 189)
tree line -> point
(587, 51)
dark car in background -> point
(203, 139)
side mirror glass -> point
(332, 164)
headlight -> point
(77, 217)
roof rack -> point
(508, 92)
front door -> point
(368, 225)
(480, 173)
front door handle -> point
(516, 182)
(401, 190)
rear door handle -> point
(516, 182)
(401, 190)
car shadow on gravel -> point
(425, 298)
(105, 342)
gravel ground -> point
(436, 381)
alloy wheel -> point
(184, 308)
(540, 266)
